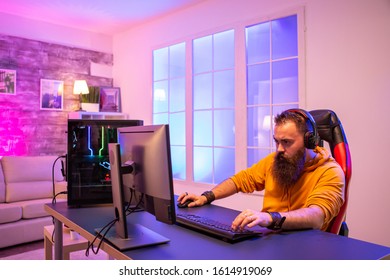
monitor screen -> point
(141, 163)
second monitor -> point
(141, 163)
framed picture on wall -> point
(110, 99)
(7, 81)
(52, 95)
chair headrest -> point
(329, 126)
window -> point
(169, 101)
(272, 83)
(213, 107)
(236, 80)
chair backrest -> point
(331, 130)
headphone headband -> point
(311, 138)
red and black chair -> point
(330, 129)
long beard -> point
(286, 171)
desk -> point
(186, 244)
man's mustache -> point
(280, 156)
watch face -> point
(277, 221)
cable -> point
(52, 179)
(54, 229)
(130, 200)
(54, 198)
(90, 244)
(129, 209)
(109, 225)
(136, 207)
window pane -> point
(224, 166)
(169, 100)
(160, 97)
(177, 129)
(284, 37)
(213, 88)
(259, 84)
(177, 60)
(178, 156)
(177, 95)
(203, 54)
(203, 167)
(203, 128)
(258, 43)
(271, 46)
(224, 89)
(285, 81)
(224, 50)
(254, 155)
(203, 94)
(259, 126)
(160, 64)
(277, 109)
(160, 118)
(224, 129)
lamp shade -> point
(80, 87)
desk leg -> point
(58, 244)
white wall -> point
(347, 70)
(50, 33)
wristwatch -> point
(277, 221)
(209, 196)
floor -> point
(17, 249)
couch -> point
(26, 184)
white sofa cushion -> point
(30, 168)
(28, 191)
(10, 213)
(23, 231)
(33, 208)
(30, 177)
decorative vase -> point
(90, 107)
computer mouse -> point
(184, 204)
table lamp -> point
(80, 87)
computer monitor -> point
(141, 162)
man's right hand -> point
(196, 200)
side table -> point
(69, 244)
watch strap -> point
(277, 221)
(209, 196)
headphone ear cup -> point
(310, 140)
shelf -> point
(82, 115)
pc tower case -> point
(88, 168)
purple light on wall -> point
(12, 139)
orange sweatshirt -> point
(321, 184)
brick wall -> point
(25, 129)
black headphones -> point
(311, 138)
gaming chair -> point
(330, 129)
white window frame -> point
(240, 88)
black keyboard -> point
(215, 228)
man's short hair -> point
(303, 125)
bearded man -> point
(303, 184)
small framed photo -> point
(7, 81)
(52, 94)
(110, 99)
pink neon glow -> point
(12, 139)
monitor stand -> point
(138, 236)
